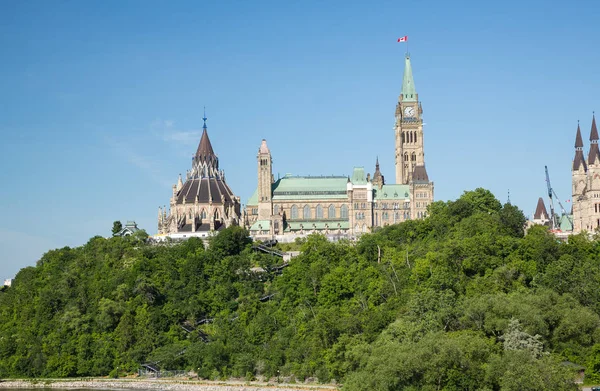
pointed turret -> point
(541, 213)
(579, 160)
(594, 131)
(378, 178)
(594, 155)
(205, 148)
(179, 183)
(409, 93)
(578, 138)
(205, 162)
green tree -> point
(117, 227)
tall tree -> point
(117, 227)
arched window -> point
(306, 212)
(413, 157)
(294, 212)
(405, 156)
(190, 214)
(276, 210)
(364, 229)
(344, 212)
(203, 214)
(415, 137)
(331, 212)
(410, 137)
(319, 212)
(403, 137)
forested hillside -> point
(459, 301)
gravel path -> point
(167, 385)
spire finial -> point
(204, 118)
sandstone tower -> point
(586, 183)
(409, 128)
(265, 181)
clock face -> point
(409, 111)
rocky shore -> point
(161, 384)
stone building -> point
(586, 183)
(204, 203)
(347, 205)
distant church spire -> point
(204, 118)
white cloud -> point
(165, 130)
(128, 152)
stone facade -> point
(347, 206)
(586, 183)
(204, 203)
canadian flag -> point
(403, 39)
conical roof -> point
(578, 139)
(594, 131)
(541, 213)
(205, 148)
(409, 93)
(420, 174)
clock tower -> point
(408, 129)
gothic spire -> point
(205, 162)
(594, 131)
(409, 93)
(541, 213)
(378, 178)
(578, 139)
(594, 155)
(579, 160)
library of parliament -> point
(293, 206)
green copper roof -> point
(392, 192)
(306, 188)
(565, 224)
(358, 176)
(409, 93)
(254, 199)
(265, 225)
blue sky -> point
(101, 102)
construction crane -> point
(551, 193)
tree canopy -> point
(461, 300)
